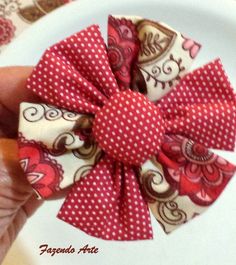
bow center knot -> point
(129, 127)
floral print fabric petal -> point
(186, 184)
(201, 175)
(152, 53)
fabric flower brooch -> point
(128, 129)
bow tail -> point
(108, 203)
(183, 181)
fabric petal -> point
(162, 59)
(51, 126)
(75, 73)
(176, 195)
(108, 204)
(55, 150)
(202, 107)
(147, 56)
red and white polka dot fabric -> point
(108, 203)
(76, 75)
(202, 107)
(129, 128)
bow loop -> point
(75, 73)
(202, 107)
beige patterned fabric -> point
(165, 56)
(169, 208)
(17, 15)
(56, 130)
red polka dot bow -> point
(128, 128)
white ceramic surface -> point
(207, 240)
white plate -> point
(209, 239)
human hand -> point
(17, 200)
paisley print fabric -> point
(42, 172)
(201, 174)
(17, 15)
(158, 55)
(183, 181)
(123, 46)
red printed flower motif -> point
(198, 172)
(123, 45)
(7, 30)
(42, 172)
(192, 46)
